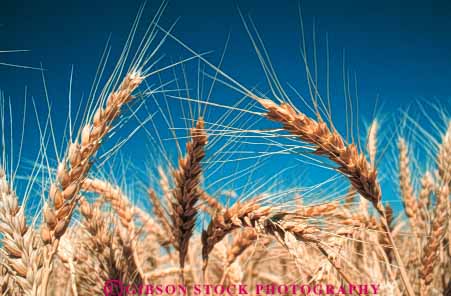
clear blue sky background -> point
(399, 50)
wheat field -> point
(84, 225)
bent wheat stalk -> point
(351, 163)
(74, 168)
(241, 242)
(330, 144)
(239, 215)
(123, 208)
(301, 231)
(112, 194)
(212, 202)
(160, 213)
(95, 224)
(98, 246)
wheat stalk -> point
(372, 151)
(96, 225)
(241, 242)
(405, 182)
(372, 141)
(160, 214)
(164, 184)
(319, 210)
(444, 156)
(330, 144)
(438, 231)
(99, 266)
(285, 226)
(427, 187)
(211, 201)
(7, 283)
(151, 227)
(444, 170)
(21, 245)
(187, 190)
(74, 168)
(440, 222)
(239, 215)
(123, 208)
(112, 194)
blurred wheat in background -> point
(207, 209)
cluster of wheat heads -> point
(90, 230)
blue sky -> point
(400, 51)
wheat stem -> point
(352, 164)
(187, 190)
